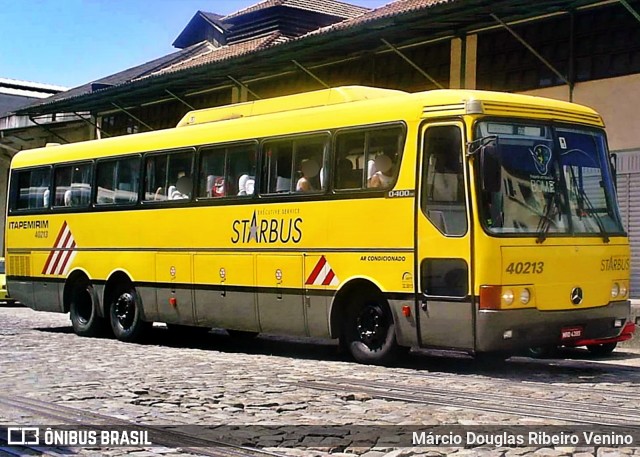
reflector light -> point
(173, 301)
(406, 311)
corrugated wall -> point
(629, 199)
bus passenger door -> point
(445, 308)
(174, 290)
(280, 299)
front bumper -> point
(534, 328)
(627, 333)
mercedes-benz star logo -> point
(577, 295)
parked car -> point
(597, 347)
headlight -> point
(623, 290)
(525, 296)
(507, 296)
(615, 290)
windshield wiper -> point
(545, 220)
(585, 198)
(594, 213)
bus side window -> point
(443, 200)
(240, 177)
(278, 163)
(168, 176)
(212, 170)
(294, 165)
(32, 189)
(72, 185)
(117, 181)
(368, 158)
(227, 171)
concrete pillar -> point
(455, 69)
(471, 58)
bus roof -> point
(304, 100)
(314, 111)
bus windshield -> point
(541, 179)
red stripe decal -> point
(316, 271)
(66, 240)
(65, 256)
(55, 245)
(329, 278)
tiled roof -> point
(396, 8)
(217, 54)
(330, 7)
(204, 53)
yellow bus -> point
(478, 221)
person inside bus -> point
(182, 189)
(309, 169)
(383, 175)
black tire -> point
(242, 335)
(491, 358)
(125, 314)
(187, 332)
(83, 310)
(540, 352)
(369, 330)
(601, 350)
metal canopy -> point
(402, 29)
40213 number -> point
(525, 268)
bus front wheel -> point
(601, 350)
(369, 330)
(125, 313)
(83, 310)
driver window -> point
(443, 196)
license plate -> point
(570, 333)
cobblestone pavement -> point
(278, 381)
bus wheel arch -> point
(362, 319)
(81, 300)
(123, 308)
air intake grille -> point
(19, 265)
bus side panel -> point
(46, 292)
(280, 305)
(224, 294)
(22, 291)
(174, 278)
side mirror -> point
(490, 166)
(614, 169)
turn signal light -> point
(490, 297)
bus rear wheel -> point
(83, 310)
(125, 314)
(369, 331)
